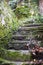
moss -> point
(14, 56)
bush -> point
(8, 23)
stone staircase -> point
(27, 34)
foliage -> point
(14, 55)
(28, 12)
(5, 62)
(22, 11)
(8, 23)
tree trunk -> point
(7, 0)
(41, 6)
(19, 2)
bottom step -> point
(24, 63)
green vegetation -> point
(5, 62)
(14, 56)
(8, 20)
(11, 20)
(8, 23)
(28, 13)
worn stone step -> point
(29, 21)
(38, 36)
(27, 38)
(20, 51)
(32, 25)
(31, 28)
(15, 63)
(37, 62)
(22, 32)
(18, 46)
(22, 45)
(35, 37)
(19, 37)
(27, 32)
(19, 41)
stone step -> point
(17, 48)
(22, 32)
(33, 25)
(29, 21)
(31, 28)
(37, 62)
(38, 37)
(19, 37)
(27, 37)
(19, 41)
(15, 63)
(27, 32)
(20, 51)
(22, 45)
(18, 45)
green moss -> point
(14, 55)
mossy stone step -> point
(31, 28)
(19, 37)
(18, 46)
(35, 35)
(20, 51)
(27, 32)
(19, 41)
(31, 25)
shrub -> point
(8, 23)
